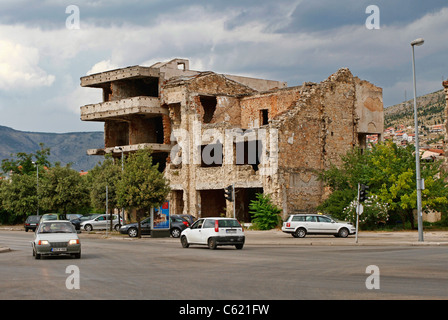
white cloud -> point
(253, 47)
(19, 67)
(102, 66)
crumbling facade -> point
(208, 131)
(445, 87)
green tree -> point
(105, 174)
(142, 185)
(18, 197)
(265, 215)
(22, 163)
(63, 190)
(389, 171)
(18, 194)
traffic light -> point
(228, 193)
(363, 193)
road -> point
(123, 268)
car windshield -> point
(49, 227)
(228, 223)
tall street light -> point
(37, 185)
(122, 169)
(417, 42)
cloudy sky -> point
(42, 55)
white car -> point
(101, 222)
(213, 232)
(56, 237)
(299, 225)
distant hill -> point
(64, 147)
(430, 111)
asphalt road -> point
(153, 269)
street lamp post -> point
(122, 169)
(417, 42)
(37, 186)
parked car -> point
(101, 222)
(214, 232)
(56, 237)
(75, 219)
(32, 222)
(191, 219)
(53, 216)
(177, 225)
(299, 225)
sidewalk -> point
(365, 238)
(278, 238)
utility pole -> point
(417, 42)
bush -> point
(265, 215)
(375, 212)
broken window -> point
(264, 117)
(208, 104)
(175, 113)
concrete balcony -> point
(122, 108)
(155, 147)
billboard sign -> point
(161, 219)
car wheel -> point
(36, 255)
(212, 243)
(88, 227)
(117, 227)
(300, 233)
(132, 232)
(239, 246)
(77, 255)
(343, 233)
(175, 232)
(184, 242)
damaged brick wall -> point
(313, 134)
(445, 86)
(274, 102)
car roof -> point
(56, 221)
(219, 218)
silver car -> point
(299, 225)
(56, 237)
(101, 222)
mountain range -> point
(65, 148)
(430, 110)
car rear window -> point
(298, 218)
(33, 219)
(51, 217)
(228, 223)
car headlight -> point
(42, 242)
(74, 241)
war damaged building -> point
(208, 131)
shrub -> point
(265, 215)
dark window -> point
(209, 107)
(264, 116)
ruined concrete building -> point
(208, 131)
